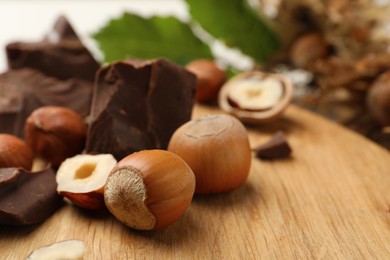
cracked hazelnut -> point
(256, 97)
(14, 152)
(209, 80)
(55, 133)
(149, 190)
(81, 179)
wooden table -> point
(330, 200)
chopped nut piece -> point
(65, 250)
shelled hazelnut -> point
(81, 179)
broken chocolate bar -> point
(62, 30)
(61, 54)
(24, 90)
(27, 198)
(277, 147)
(138, 105)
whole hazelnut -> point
(216, 147)
(55, 133)
(378, 99)
(307, 49)
(210, 78)
(150, 189)
(14, 152)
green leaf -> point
(132, 35)
(236, 24)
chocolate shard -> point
(62, 30)
(24, 90)
(277, 147)
(138, 105)
(61, 54)
(27, 198)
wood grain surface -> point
(330, 200)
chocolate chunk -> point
(61, 54)
(24, 90)
(27, 198)
(62, 30)
(138, 105)
(277, 147)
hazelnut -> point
(149, 190)
(210, 78)
(256, 97)
(307, 49)
(378, 99)
(81, 179)
(14, 152)
(216, 147)
(55, 133)
(68, 249)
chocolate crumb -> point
(277, 147)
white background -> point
(29, 20)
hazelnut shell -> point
(262, 116)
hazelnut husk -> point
(55, 133)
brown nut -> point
(210, 78)
(14, 152)
(307, 49)
(149, 190)
(55, 133)
(216, 147)
(81, 179)
(256, 97)
(378, 99)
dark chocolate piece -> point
(138, 105)
(27, 198)
(62, 30)
(61, 54)
(277, 147)
(24, 90)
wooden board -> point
(331, 200)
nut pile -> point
(137, 154)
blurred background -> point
(334, 51)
